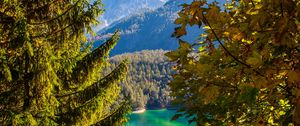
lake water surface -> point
(155, 118)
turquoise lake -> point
(155, 118)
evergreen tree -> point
(49, 74)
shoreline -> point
(144, 109)
(139, 111)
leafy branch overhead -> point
(246, 69)
(49, 74)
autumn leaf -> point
(226, 34)
(202, 48)
(184, 45)
(173, 55)
(179, 21)
(179, 31)
(263, 39)
(252, 11)
(206, 27)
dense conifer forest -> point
(146, 83)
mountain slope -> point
(118, 9)
(149, 30)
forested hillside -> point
(146, 83)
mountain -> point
(147, 78)
(118, 9)
(149, 30)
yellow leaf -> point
(184, 45)
(202, 48)
(257, 0)
(30, 49)
(283, 73)
(258, 6)
(246, 41)
(254, 33)
(281, 113)
(226, 34)
(203, 35)
(206, 27)
(283, 102)
(179, 21)
(252, 11)
(229, 7)
(191, 62)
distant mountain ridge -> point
(149, 30)
(118, 9)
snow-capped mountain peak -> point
(118, 9)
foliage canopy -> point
(245, 68)
(49, 74)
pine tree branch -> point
(59, 96)
(5, 19)
(73, 23)
(57, 31)
(116, 115)
(92, 96)
(26, 85)
(43, 22)
(94, 60)
(52, 33)
(92, 91)
(40, 7)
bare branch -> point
(253, 3)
